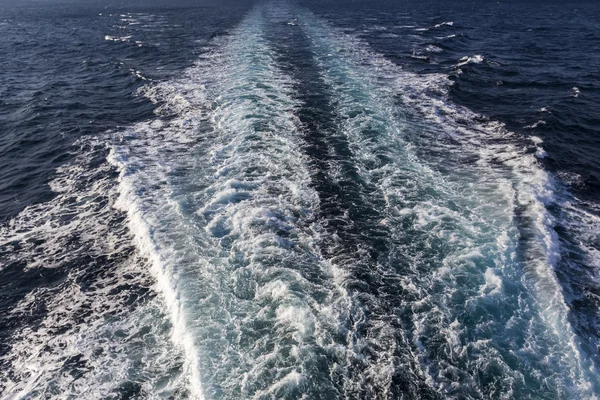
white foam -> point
(536, 139)
(433, 49)
(92, 328)
(536, 124)
(541, 153)
(231, 245)
(448, 37)
(521, 184)
(476, 59)
(493, 284)
(218, 197)
(293, 379)
(117, 38)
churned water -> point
(299, 199)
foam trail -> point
(481, 260)
(218, 196)
(379, 362)
(320, 224)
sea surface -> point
(299, 199)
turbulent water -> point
(299, 199)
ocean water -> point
(299, 200)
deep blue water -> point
(299, 199)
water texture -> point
(295, 200)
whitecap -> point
(476, 59)
(434, 49)
(449, 23)
(536, 124)
(117, 38)
(575, 92)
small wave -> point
(117, 38)
(537, 140)
(536, 124)
(138, 74)
(433, 49)
(476, 59)
(574, 92)
(447, 37)
(419, 56)
(378, 28)
(540, 152)
(573, 179)
(449, 23)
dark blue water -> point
(299, 200)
